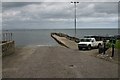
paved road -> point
(56, 62)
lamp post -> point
(75, 15)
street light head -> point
(74, 2)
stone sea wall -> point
(8, 48)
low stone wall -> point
(8, 48)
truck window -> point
(85, 40)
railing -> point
(7, 37)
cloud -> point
(62, 12)
(11, 13)
(96, 20)
(59, 0)
(109, 8)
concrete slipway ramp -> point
(63, 40)
(55, 62)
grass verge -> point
(117, 45)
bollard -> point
(11, 36)
(3, 37)
(7, 36)
(112, 50)
(113, 47)
(104, 43)
(100, 49)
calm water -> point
(42, 37)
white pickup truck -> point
(89, 43)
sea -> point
(42, 37)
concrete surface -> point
(73, 45)
(56, 62)
(68, 43)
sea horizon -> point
(61, 29)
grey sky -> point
(49, 15)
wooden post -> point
(7, 36)
(11, 36)
(3, 37)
